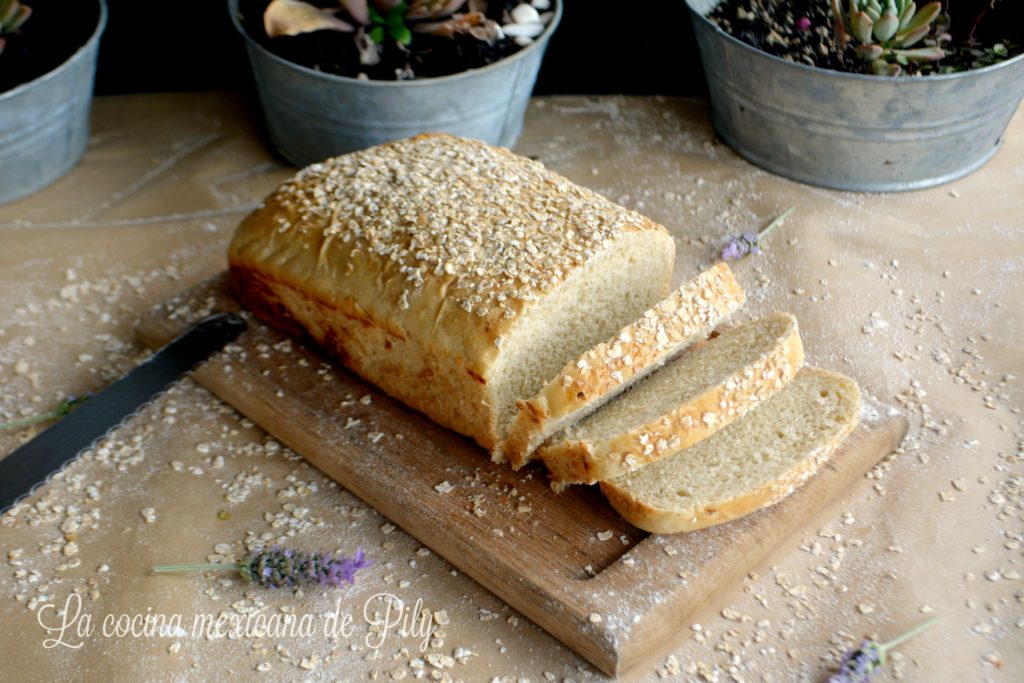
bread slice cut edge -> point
(658, 518)
(605, 371)
(572, 458)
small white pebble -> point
(524, 30)
(525, 14)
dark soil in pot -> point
(426, 57)
(54, 32)
(980, 33)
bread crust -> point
(403, 367)
(575, 461)
(611, 367)
(664, 521)
(435, 245)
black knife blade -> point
(33, 462)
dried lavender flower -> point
(749, 242)
(741, 245)
(277, 567)
(860, 664)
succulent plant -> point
(374, 21)
(13, 15)
(887, 31)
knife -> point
(34, 462)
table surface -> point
(917, 296)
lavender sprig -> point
(277, 567)
(749, 242)
(62, 409)
(860, 664)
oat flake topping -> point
(499, 226)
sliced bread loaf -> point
(457, 277)
(686, 401)
(598, 375)
(752, 463)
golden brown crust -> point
(665, 521)
(612, 366)
(436, 241)
(573, 461)
(376, 352)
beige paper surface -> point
(917, 296)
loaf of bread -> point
(457, 277)
(586, 383)
(756, 461)
(686, 401)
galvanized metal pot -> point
(852, 131)
(44, 124)
(313, 115)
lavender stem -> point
(779, 220)
(909, 634)
(26, 421)
(203, 566)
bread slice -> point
(686, 401)
(456, 276)
(752, 463)
(601, 373)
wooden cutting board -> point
(614, 600)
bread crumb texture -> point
(607, 369)
(756, 461)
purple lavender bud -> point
(276, 567)
(859, 664)
(736, 249)
(740, 246)
(803, 24)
